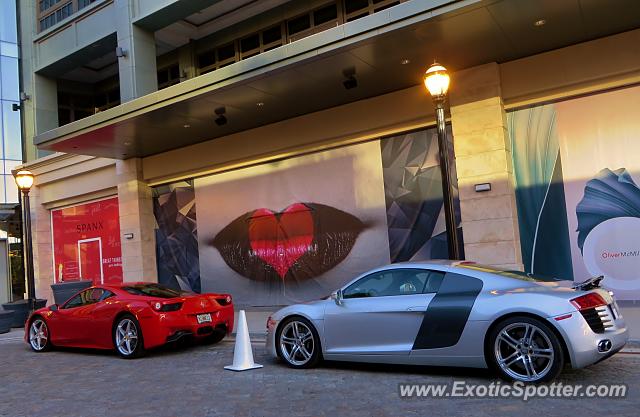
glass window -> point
(11, 189)
(326, 14)
(8, 22)
(387, 283)
(9, 49)
(76, 301)
(153, 290)
(9, 165)
(9, 74)
(84, 3)
(3, 181)
(351, 6)
(271, 35)
(299, 24)
(11, 131)
(88, 296)
(95, 295)
(249, 43)
(226, 52)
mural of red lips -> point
(280, 240)
(301, 242)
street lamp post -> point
(436, 79)
(24, 180)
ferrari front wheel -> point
(127, 337)
(525, 349)
(39, 337)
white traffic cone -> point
(242, 353)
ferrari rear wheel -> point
(127, 337)
(297, 342)
(39, 337)
(525, 349)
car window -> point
(89, 296)
(434, 280)
(76, 301)
(153, 290)
(391, 282)
(95, 294)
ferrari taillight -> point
(158, 306)
(587, 301)
(223, 301)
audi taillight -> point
(587, 301)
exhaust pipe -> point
(604, 345)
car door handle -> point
(416, 308)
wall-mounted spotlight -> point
(350, 78)
(221, 119)
(121, 52)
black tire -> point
(39, 329)
(533, 357)
(130, 328)
(311, 342)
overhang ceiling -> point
(307, 75)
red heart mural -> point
(280, 239)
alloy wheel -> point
(524, 352)
(126, 337)
(297, 343)
(38, 335)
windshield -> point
(523, 276)
(153, 290)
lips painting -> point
(295, 244)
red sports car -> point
(130, 317)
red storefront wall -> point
(86, 242)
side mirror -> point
(54, 307)
(337, 297)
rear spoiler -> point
(589, 284)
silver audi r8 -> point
(453, 313)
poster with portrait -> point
(296, 229)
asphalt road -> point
(191, 381)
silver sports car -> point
(449, 313)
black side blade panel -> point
(448, 312)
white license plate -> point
(203, 318)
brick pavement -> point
(190, 381)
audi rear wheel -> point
(525, 349)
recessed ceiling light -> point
(539, 23)
(405, 61)
(186, 126)
(127, 143)
(260, 104)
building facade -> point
(275, 149)
(11, 276)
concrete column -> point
(138, 71)
(136, 218)
(483, 155)
(42, 245)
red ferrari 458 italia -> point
(130, 318)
